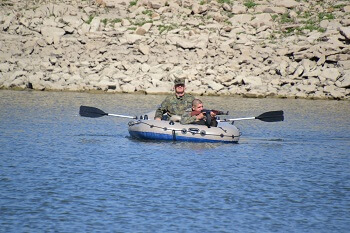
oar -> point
(272, 116)
(93, 112)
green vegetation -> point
(147, 12)
(305, 14)
(324, 15)
(133, 3)
(250, 4)
(274, 17)
(91, 17)
(116, 20)
(307, 21)
(286, 19)
(141, 22)
(166, 28)
(104, 21)
(339, 6)
(224, 1)
(229, 14)
(228, 22)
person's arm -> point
(161, 110)
(186, 118)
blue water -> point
(63, 173)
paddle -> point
(272, 116)
(93, 112)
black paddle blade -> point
(272, 116)
(92, 112)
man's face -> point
(180, 89)
(198, 108)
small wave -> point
(95, 135)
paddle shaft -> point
(272, 116)
(123, 116)
(242, 118)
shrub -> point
(91, 17)
(224, 1)
(133, 3)
(250, 4)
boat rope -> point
(184, 131)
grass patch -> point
(116, 20)
(166, 28)
(111, 21)
(91, 17)
(323, 15)
(228, 22)
(339, 6)
(313, 28)
(305, 14)
(147, 12)
(250, 4)
(274, 17)
(224, 1)
(133, 3)
(104, 21)
(286, 19)
(141, 22)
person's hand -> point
(158, 118)
(200, 116)
(212, 114)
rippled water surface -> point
(63, 173)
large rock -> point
(345, 31)
(344, 82)
(199, 9)
(241, 19)
(131, 39)
(239, 9)
(52, 32)
(286, 3)
(252, 80)
(330, 74)
(95, 24)
(196, 41)
(260, 20)
(144, 49)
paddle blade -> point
(272, 116)
(92, 112)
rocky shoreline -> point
(250, 48)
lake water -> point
(60, 172)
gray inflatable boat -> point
(174, 131)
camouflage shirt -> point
(186, 118)
(174, 105)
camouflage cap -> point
(179, 81)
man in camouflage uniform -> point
(176, 104)
(196, 116)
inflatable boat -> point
(144, 128)
(174, 131)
